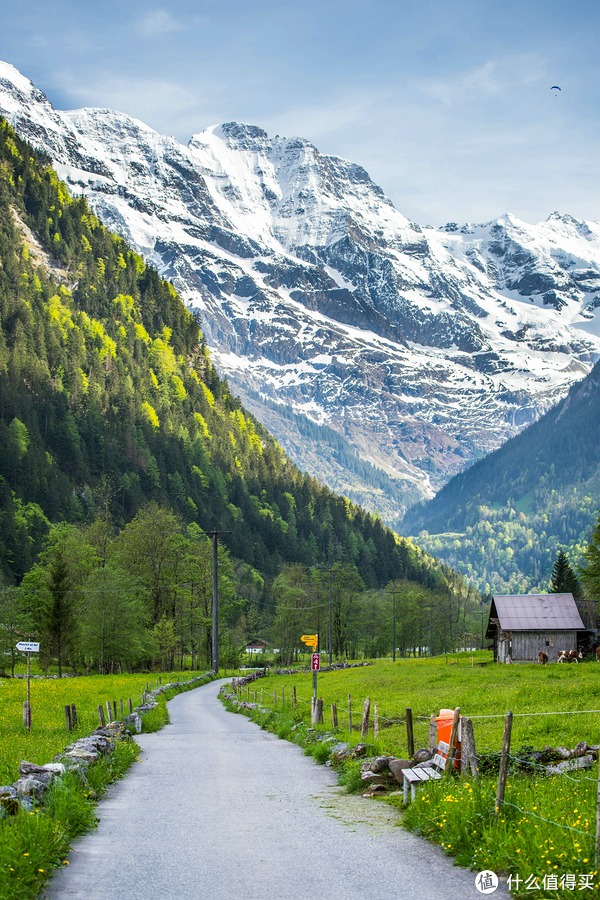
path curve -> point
(218, 809)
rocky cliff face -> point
(425, 347)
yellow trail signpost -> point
(311, 640)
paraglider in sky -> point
(555, 87)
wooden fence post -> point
(319, 711)
(294, 698)
(121, 701)
(364, 730)
(410, 740)
(101, 716)
(255, 695)
(274, 698)
(130, 706)
(349, 713)
(432, 734)
(334, 717)
(68, 717)
(73, 715)
(468, 754)
(109, 711)
(503, 764)
(114, 710)
(376, 723)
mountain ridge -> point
(424, 348)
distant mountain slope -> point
(108, 394)
(425, 348)
(503, 520)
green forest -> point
(503, 520)
(120, 448)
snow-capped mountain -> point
(425, 347)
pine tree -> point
(590, 570)
(564, 580)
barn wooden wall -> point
(525, 645)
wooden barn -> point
(523, 625)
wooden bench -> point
(432, 772)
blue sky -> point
(446, 104)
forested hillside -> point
(503, 520)
(106, 386)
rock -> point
(422, 755)
(359, 750)
(564, 753)
(34, 786)
(396, 766)
(9, 799)
(569, 765)
(380, 764)
(580, 749)
(375, 777)
(549, 754)
(27, 768)
(426, 764)
(83, 755)
(377, 789)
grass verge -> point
(545, 833)
(33, 844)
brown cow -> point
(570, 656)
(598, 654)
(542, 658)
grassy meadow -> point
(49, 697)
(486, 690)
(545, 833)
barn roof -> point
(536, 612)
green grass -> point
(49, 733)
(428, 685)
(457, 814)
(32, 844)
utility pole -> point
(215, 603)
(393, 593)
(330, 627)
(431, 631)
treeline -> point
(105, 600)
(364, 623)
(503, 520)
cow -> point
(598, 654)
(569, 656)
(542, 658)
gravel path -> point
(218, 809)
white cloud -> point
(157, 23)
(495, 77)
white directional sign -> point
(28, 647)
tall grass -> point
(529, 838)
(32, 844)
(49, 733)
(428, 685)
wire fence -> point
(523, 761)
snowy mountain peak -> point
(424, 347)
